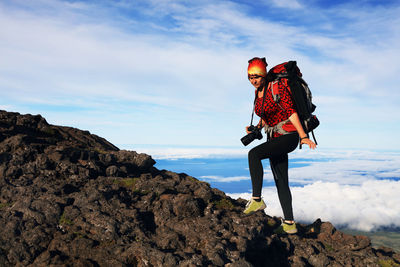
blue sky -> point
(173, 73)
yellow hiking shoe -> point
(286, 228)
(253, 206)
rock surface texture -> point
(70, 198)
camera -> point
(255, 133)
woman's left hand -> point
(307, 141)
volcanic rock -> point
(71, 198)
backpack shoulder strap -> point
(274, 88)
(283, 70)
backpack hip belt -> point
(278, 128)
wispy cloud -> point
(174, 152)
(348, 170)
(120, 57)
(222, 179)
(287, 4)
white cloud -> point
(88, 55)
(368, 206)
(287, 4)
(222, 179)
(6, 107)
(345, 171)
(341, 167)
(165, 152)
(98, 61)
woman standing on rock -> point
(276, 149)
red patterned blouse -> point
(272, 113)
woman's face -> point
(257, 81)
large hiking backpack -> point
(298, 89)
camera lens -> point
(247, 139)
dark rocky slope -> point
(70, 198)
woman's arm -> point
(294, 119)
(261, 123)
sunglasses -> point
(254, 76)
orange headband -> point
(257, 66)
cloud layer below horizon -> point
(370, 206)
(358, 189)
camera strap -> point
(254, 105)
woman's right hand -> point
(249, 130)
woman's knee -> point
(253, 154)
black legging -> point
(277, 151)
